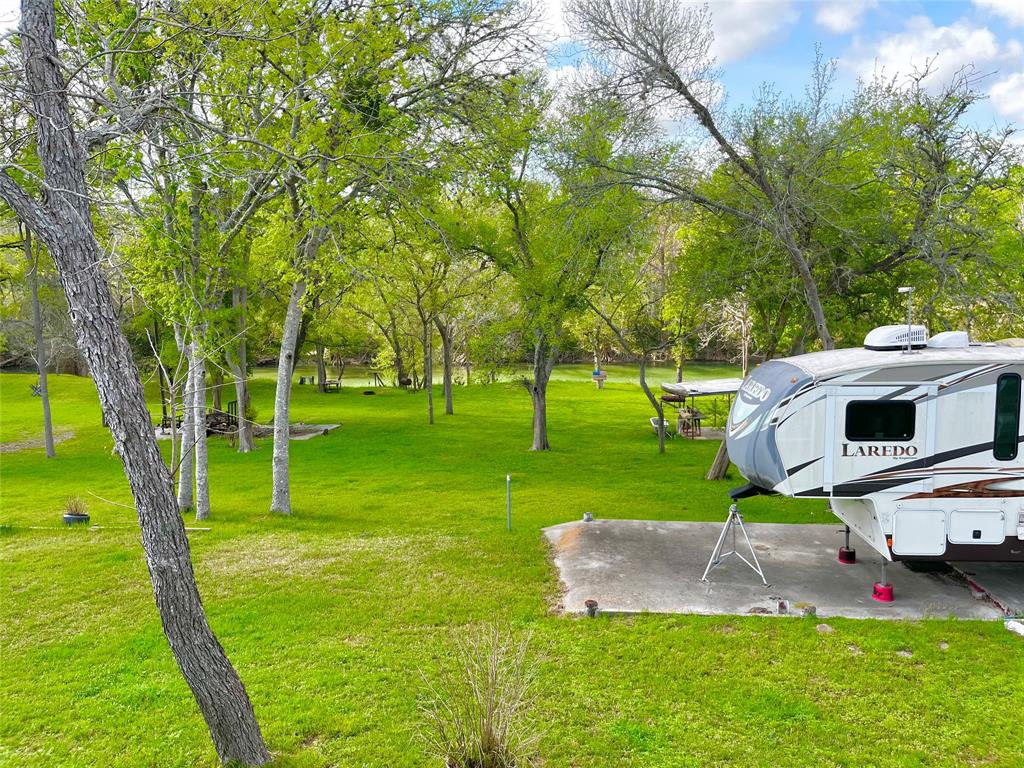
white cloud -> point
(947, 49)
(744, 26)
(9, 14)
(843, 16)
(553, 21)
(1007, 96)
(1011, 10)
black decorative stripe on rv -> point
(940, 458)
(898, 392)
(793, 470)
(861, 488)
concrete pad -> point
(1003, 583)
(630, 566)
(296, 431)
(302, 431)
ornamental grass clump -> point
(76, 506)
(477, 711)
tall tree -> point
(558, 222)
(376, 95)
(658, 50)
(63, 220)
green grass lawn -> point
(618, 373)
(397, 544)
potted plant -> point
(75, 511)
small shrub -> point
(75, 506)
(476, 714)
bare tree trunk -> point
(216, 387)
(300, 338)
(446, 363)
(401, 375)
(777, 326)
(803, 269)
(281, 500)
(64, 223)
(428, 368)
(321, 368)
(40, 345)
(199, 425)
(186, 465)
(655, 403)
(720, 465)
(239, 300)
(544, 355)
(538, 395)
(680, 360)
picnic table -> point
(330, 384)
(676, 394)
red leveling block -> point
(847, 554)
(882, 592)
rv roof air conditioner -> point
(888, 338)
(950, 340)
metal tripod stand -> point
(734, 521)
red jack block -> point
(882, 592)
(847, 555)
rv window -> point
(1004, 446)
(880, 420)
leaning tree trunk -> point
(199, 425)
(720, 465)
(281, 500)
(446, 363)
(40, 345)
(803, 269)
(186, 465)
(63, 221)
(655, 403)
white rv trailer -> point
(919, 452)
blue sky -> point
(774, 40)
